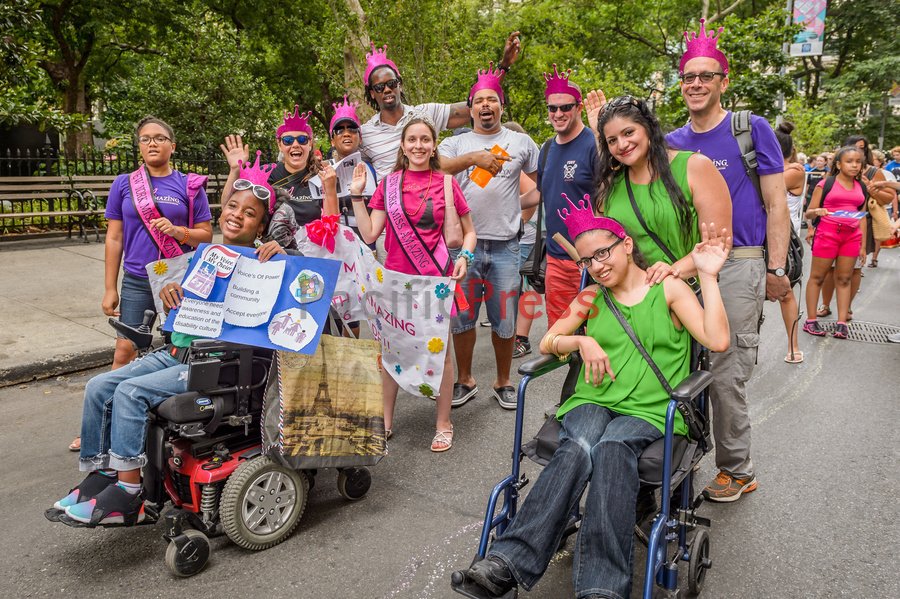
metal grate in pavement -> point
(866, 332)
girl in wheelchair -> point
(116, 403)
(617, 410)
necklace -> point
(421, 196)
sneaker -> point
(841, 331)
(112, 506)
(484, 323)
(492, 575)
(725, 488)
(506, 397)
(522, 348)
(813, 328)
(462, 394)
(86, 490)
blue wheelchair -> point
(667, 464)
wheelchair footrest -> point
(148, 519)
(460, 583)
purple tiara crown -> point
(581, 218)
(344, 112)
(488, 79)
(378, 58)
(558, 83)
(295, 122)
(258, 174)
(703, 45)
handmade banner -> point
(230, 295)
(408, 314)
(164, 271)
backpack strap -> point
(194, 184)
(742, 132)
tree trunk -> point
(355, 66)
(75, 101)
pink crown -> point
(581, 218)
(703, 45)
(343, 112)
(488, 79)
(378, 58)
(559, 84)
(295, 122)
(258, 175)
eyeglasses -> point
(158, 139)
(345, 129)
(705, 77)
(260, 191)
(379, 87)
(563, 107)
(289, 140)
(601, 255)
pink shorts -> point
(834, 239)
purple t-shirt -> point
(171, 197)
(748, 215)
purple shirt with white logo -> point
(171, 198)
(748, 215)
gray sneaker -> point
(522, 348)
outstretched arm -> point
(459, 111)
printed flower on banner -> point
(368, 277)
(378, 324)
(435, 345)
(379, 274)
(397, 369)
(363, 287)
(439, 318)
(430, 372)
(442, 290)
(408, 286)
(160, 268)
(426, 390)
(348, 235)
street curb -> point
(56, 366)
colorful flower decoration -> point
(397, 369)
(348, 235)
(363, 287)
(379, 274)
(408, 286)
(442, 291)
(430, 372)
(378, 324)
(160, 268)
(435, 345)
(426, 390)
(439, 318)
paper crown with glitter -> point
(581, 218)
(488, 79)
(703, 45)
(378, 58)
(295, 122)
(258, 174)
(558, 83)
(344, 112)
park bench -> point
(56, 200)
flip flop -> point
(794, 357)
(443, 440)
(75, 445)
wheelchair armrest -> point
(541, 365)
(688, 389)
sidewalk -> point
(51, 322)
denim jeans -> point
(135, 297)
(116, 404)
(597, 446)
(492, 279)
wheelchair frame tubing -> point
(657, 570)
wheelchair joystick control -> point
(149, 317)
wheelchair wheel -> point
(192, 556)
(354, 483)
(262, 503)
(699, 562)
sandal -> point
(823, 311)
(873, 263)
(443, 440)
(75, 445)
(388, 433)
(794, 357)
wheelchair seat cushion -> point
(650, 464)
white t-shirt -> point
(379, 142)
(496, 211)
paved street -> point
(824, 522)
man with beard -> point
(493, 275)
(384, 93)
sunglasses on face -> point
(260, 191)
(379, 87)
(289, 140)
(705, 77)
(563, 107)
(601, 255)
(340, 130)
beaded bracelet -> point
(187, 236)
(469, 256)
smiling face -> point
(486, 110)
(243, 218)
(610, 271)
(345, 137)
(296, 155)
(387, 99)
(418, 146)
(628, 141)
(564, 122)
(702, 98)
(155, 153)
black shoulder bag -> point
(534, 269)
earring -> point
(615, 165)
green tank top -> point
(636, 390)
(658, 212)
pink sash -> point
(428, 262)
(145, 205)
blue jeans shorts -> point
(492, 279)
(134, 298)
(524, 252)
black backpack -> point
(740, 129)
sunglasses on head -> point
(341, 129)
(705, 77)
(379, 87)
(563, 107)
(289, 140)
(260, 191)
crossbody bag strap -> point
(637, 212)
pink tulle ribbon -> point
(321, 232)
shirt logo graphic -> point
(569, 170)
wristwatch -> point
(778, 272)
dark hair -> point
(608, 167)
(866, 152)
(837, 158)
(152, 120)
(370, 99)
(313, 163)
(636, 254)
(402, 161)
(266, 217)
(783, 133)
